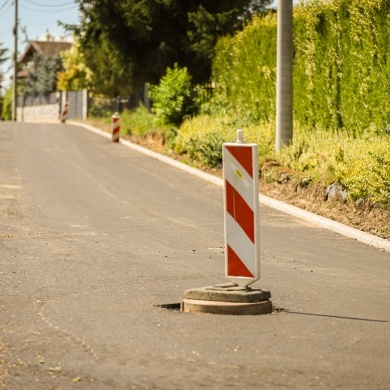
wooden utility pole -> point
(15, 81)
(284, 74)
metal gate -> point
(77, 104)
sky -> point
(38, 17)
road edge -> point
(305, 215)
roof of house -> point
(43, 47)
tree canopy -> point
(42, 79)
(128, 42)
(76, 75)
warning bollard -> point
(65, 112)
(242, 249)
(115, 128)
(241, 200)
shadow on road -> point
(332, 316)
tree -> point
(42, 79)
(76, 75)
(137, 40)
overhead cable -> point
(50, 5)
(48, 11)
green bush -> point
(102, 107)
(172, 99)
(138, 122)
(314, 152)
(201, 138)
(361, 165)
(7, 105)
(365, 169)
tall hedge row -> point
(341, 66)
(244, 71)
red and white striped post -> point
(65, 112)
(242, 254)
(241, 201)
(115, 128)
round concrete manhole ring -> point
(228, 308)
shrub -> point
(172, 101)
(7, 105)
(314, 152)
(201, 138)
(102, 107)
(362, 165)
(365, 170)
(138, 122)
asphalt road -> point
(95, 237)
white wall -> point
(44, 113)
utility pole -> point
(15, 81)
(284, 74)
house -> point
(46, 106)
(50, 48)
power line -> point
(5, 3)
(48, 11)
(55, 22)
(10, 5)
(50, 5)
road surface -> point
(96, 240)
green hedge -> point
(244, 72)
(201, 138)
(341, 67)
